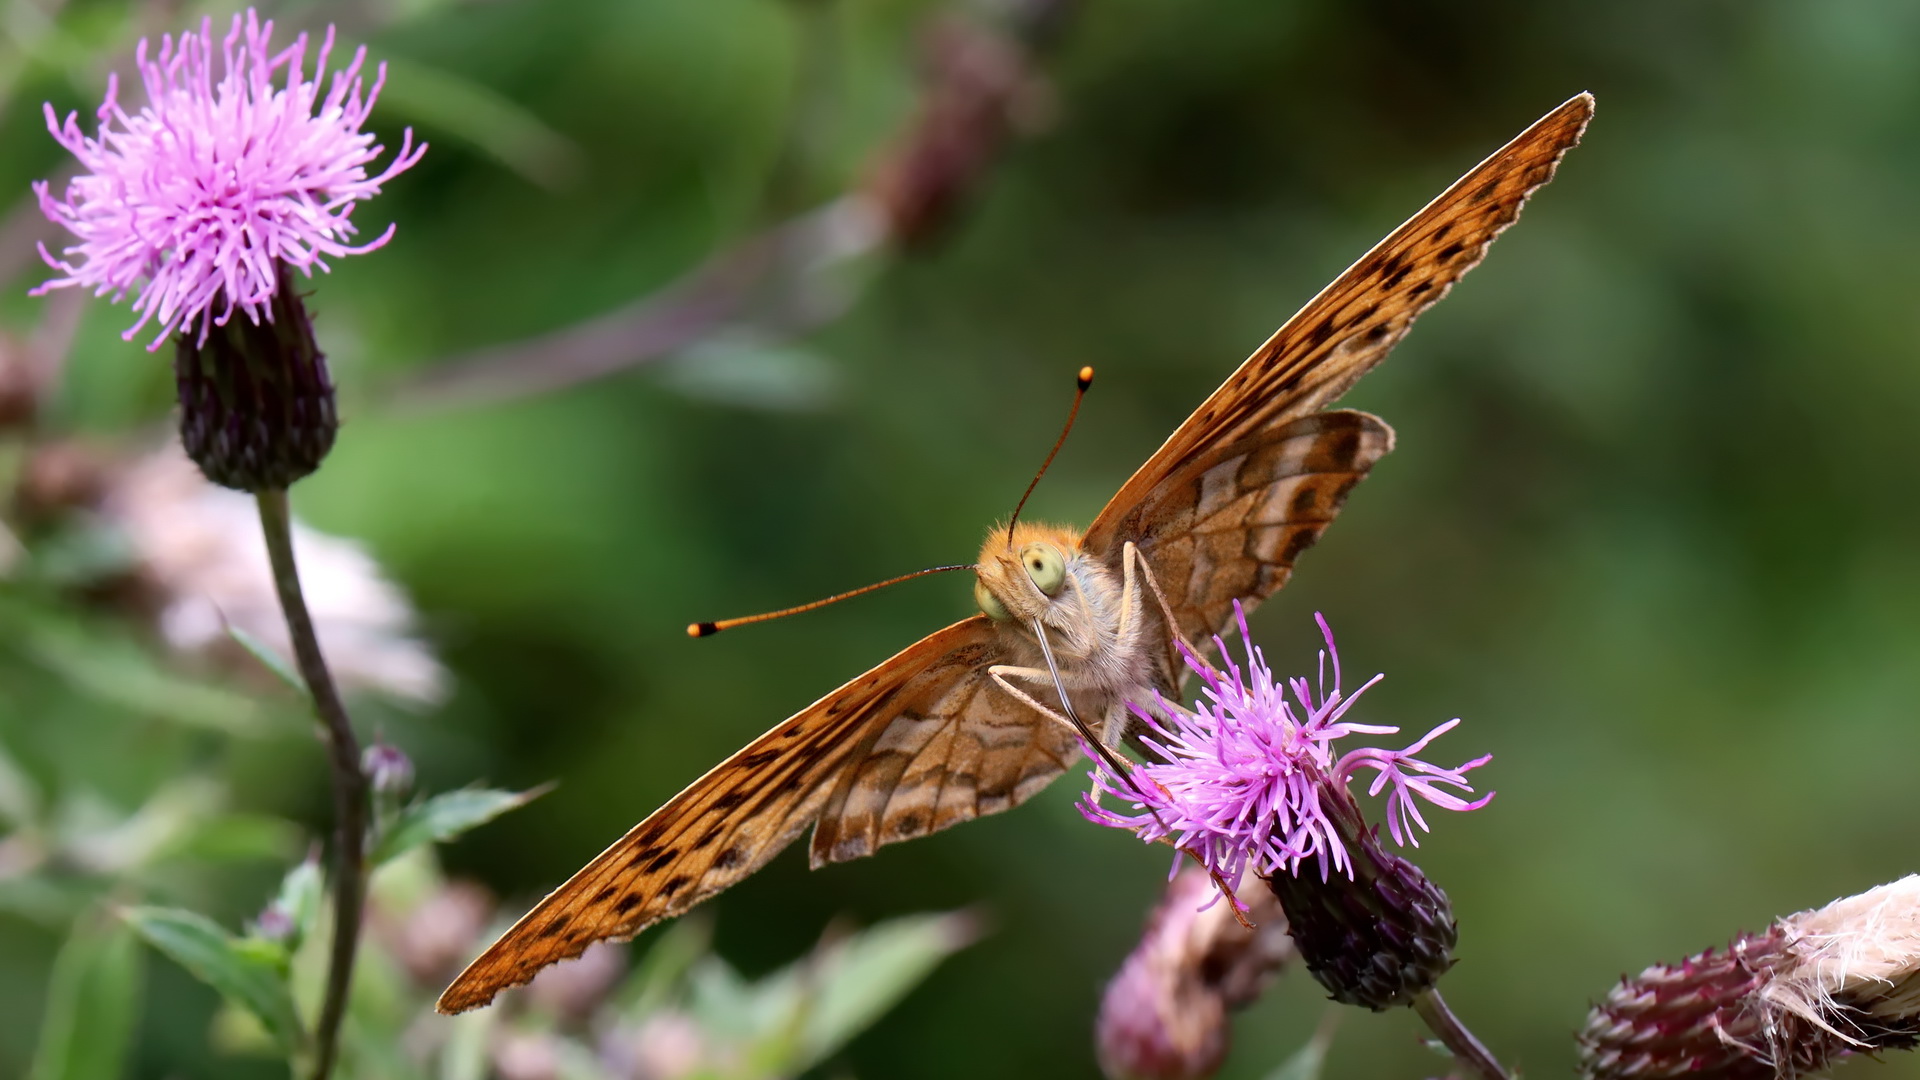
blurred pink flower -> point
(209, 186)
(198, 547)
(1244, 779)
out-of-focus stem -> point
(1468, 1051)
(349, 783)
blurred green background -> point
(1650, 528)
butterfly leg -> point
(1003, 673)
(1098, 742)
(1130, 589)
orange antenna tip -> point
(702, 629)
(1081, 382)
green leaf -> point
(856, 982)
(19, 796)
(1309, 1060)
(92, 1003)
(116, 670)
(218, 959)
(445, 816)
(269, 659)
(791, 1020)
(657, 978)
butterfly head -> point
(1029, 578)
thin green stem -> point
(1468, 1051)
(349, 783)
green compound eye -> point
(989, 603)
(1045, 566)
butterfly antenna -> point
(708, 629)
(1081, 382)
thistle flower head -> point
(1164, 1015)
(1249, 775)
(195, 199)
(1811, 989)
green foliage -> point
(791, 1020)
(248, 972)
(443, 817)
(92, 1004)
(269, 658)
(302, 895)
(1310, 1060)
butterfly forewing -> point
(1310, 361)
(728, 823)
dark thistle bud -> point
(1789, 1002)
(1379, 938)
(388, 770)
(256, 401)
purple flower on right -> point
(1249, 778)
(1249, 781)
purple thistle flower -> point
(195, 199)
(1250, 779)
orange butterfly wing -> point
(1251, 479)
(911, 746)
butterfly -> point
(963, 722)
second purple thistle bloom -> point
(1250, 778)
(196, 199)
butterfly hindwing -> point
(725, 825)
(1230, 525)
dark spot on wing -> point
(1299, 542)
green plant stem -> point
(349, 783)
(1471, 1054)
